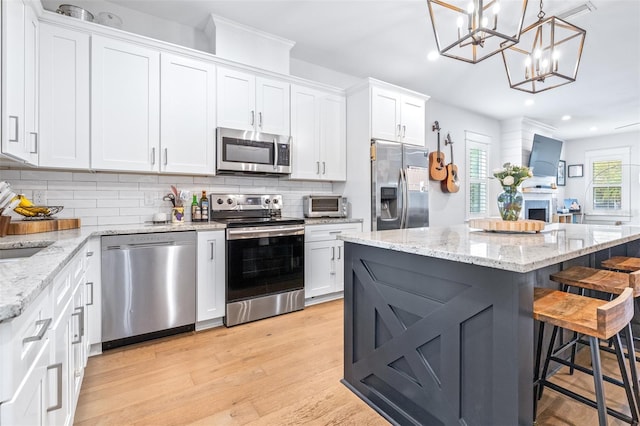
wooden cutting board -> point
(499, 225)
(22, 227)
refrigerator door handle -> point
(403, 192)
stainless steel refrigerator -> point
(399, 186)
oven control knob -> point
(219, 201)
(275, 201)
(229, 201)
(267, 201)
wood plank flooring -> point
(282, 371)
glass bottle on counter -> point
(204, 206)
(196, 212)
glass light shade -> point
(547, 56)
(473, 30)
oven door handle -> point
(263, 232)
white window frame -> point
(611, 154)
(483, 142)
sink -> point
(15, 254)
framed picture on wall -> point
(574, 170)
(562, 166)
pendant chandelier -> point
(473, 30)
(547, 56)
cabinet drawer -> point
(21, 339)
(327, 232)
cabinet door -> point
(78, 335)
(385, 114)
(236, 99)
(413, 120)
(305, 132)
(64, 98)
(333, 138)
(31, 93)
(93, 296)
(339, 276)
(319, 268)
(60, 371)
(211, 275)
(187, 122)
(13, 125)
(125, 106)
(28, 406)
(273, 106)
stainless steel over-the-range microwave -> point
(324, 206)
(240, 151)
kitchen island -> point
(438, 321)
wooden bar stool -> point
(622, 264)
(597, 319)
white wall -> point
(103, 198)
(574, 153)
(445, 208)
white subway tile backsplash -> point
(109, 198)
(95, 177)
(45, 175)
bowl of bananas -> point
(30, 211)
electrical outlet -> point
(150, 199)
(40, 198)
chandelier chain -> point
(541, 13)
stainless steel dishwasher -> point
(148, 286)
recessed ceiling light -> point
(529, 102)
(566, 117)
(593, 129)
(433, 55)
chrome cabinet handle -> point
(211, 244)
(80, 316)
(45, 325)
(398, 130)
(404, 131)
(13, 130)
(260, 119)
(317, 167)
(35, 143)
(58, 405)
(324, 168)
(90, 284)
(335, 232)
(339, 252)
(166, 156)
(153, 156)
(333, 253)
(89, 253)
(253, 117)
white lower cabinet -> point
(93, 297)
(42, 353)
(324, 258)
(210, 277)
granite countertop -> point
(508, 251)
(23, 280)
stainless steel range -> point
(265, 257)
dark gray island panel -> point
(416, 333)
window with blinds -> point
(607, 184)
(477, 151)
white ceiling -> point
(390, 40)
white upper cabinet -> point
(64, 98)
(20, 116)
(247, 102)
(188, 119)
(397, 117)
(125, 106)
(318, 130)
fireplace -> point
(537, 210)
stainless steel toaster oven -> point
(324, 206)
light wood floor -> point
(282, 371)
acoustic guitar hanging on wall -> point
(437, 169)
(450, 184)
